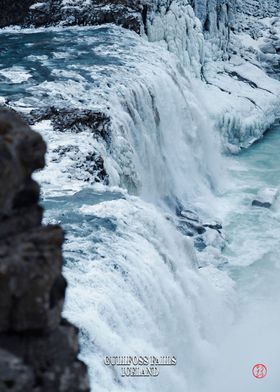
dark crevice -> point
(144, 15)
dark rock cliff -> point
(126, 13)
(14, 12)
(38, 349)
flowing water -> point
(134, 283)
(254, 264)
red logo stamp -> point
(259, 370)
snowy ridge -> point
(249, 100)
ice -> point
(170, 28)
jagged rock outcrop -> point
(74, 119)
(126, 13)
(38, 348)
(78, 120)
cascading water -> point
(166, 129)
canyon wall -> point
(38, 348)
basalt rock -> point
(38, 349)
(74, 119)
(14, 12)
(126, 13)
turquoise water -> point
(253, 252)
(39, 53)
(253, 232)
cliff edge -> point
(38, 348)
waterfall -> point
(135, 286)
(135, 290)
(163, 139)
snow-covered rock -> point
(265, 197)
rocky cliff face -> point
(14, 12)
(38, 349)
(127, 13)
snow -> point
(241, 98)
(248, 102)
(37, 6)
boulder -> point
(265, 197)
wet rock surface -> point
(74, 120)
(38, 349)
